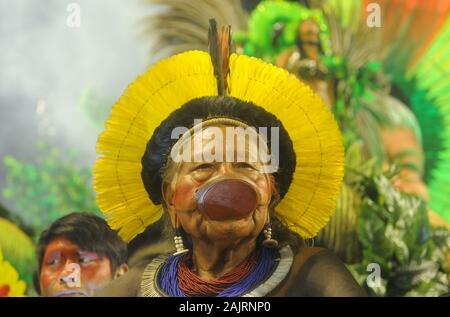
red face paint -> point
(4, 290)
(184, 194)
(66, 270)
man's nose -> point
(66, 279)
(226, 169)
(70, 274)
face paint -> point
(4, 290)
(67, 270)
(227, 199)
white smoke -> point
(45, 65)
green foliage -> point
(52, 187)
(394, 232)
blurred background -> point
(58, 83)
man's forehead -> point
(218, 143)
(62, 243)
(232, 139)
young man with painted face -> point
(78, 255)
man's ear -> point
(121, 270)
(275, 196)
(273, 187)
(166, 190)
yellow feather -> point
(317, 142)
(145, 103)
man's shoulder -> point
(319, 272)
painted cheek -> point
(96, 275)
(95, 278)
(184, 196)
(47, 280)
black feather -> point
(216, 56)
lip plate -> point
(227, 199)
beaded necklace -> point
(176, 279)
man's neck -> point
(214, 260)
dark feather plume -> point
(220, 50)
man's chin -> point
(230, 229)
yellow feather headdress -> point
(166, 86)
